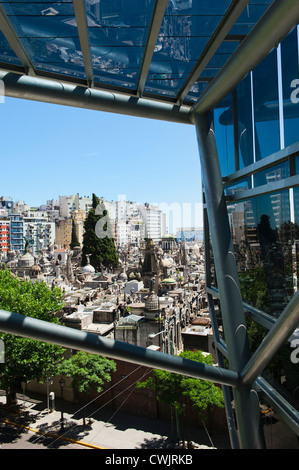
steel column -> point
(235, 332)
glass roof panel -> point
(7, 55)
(48, 31)
(186, 29)
(250, 16)
(117, 32)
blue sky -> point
(49, 150)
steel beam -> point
(15, 43)
(279, 333)
(80, 15)
(55, 92)
(157, 18)
(60, 335)
(274, 25)
(220, 34)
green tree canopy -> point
(87, 371)
(172, 388)
(99, 246)
(27, 359)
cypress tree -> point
(98, 240)
(74, 241)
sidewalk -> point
(104, 428)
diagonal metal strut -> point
(60, 335)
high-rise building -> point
(16, 233)
(4, 234)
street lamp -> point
(49, 382)
(61, 383)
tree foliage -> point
(74, 239)
(173, 388)
(27, 359)
(87, 371)
(99, 246)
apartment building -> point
(4, 234)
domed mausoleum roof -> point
(26, 261)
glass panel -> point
(237, 188)
(224, 133)
(275, 173)
(196, 90)
(250, 16)
(49, 34)
(244, 118)
(262, 235)
(290, 84)
(7, 55)
(186, 29)
(118, 32)
(265, 97)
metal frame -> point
(15, 43)
(274, 25)
(154, 30)
(80, 15)
(49, 91)
(76, 339)
(243, 372)
(220, 35)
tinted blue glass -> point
(249, 17)
(265, 97)
(261, 233)
(196, 90)
(7, 55)
(38, 8)
(224, 133)
(186, 29)
(49, 34)
(237, 188)
(118, 32)
(244, 119)
(290, 84)
(275, 173)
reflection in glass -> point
(275, 173)
(262, 237)
(265, 97)
(224, 134)
(185, 31)
(290, 73)
(244, 117)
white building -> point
(67, 204)
(40, 231)
(155, 221)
